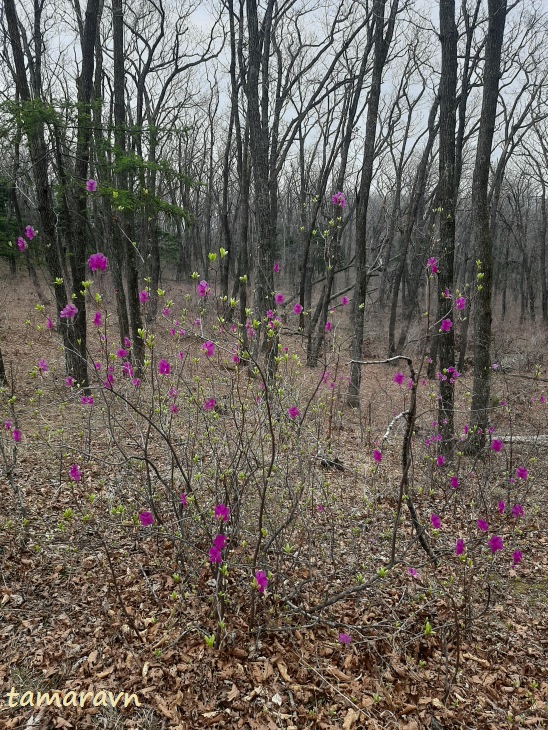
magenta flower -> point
(338, 199)
(30, 232)
(459, 548)
(344, 639)
(516, 557)
(136, 382)
(215, 555)
(521, 472)
(219, 541)
(454, 483)
(293, 412)
(276, 267)
(432, 265)
(261, 581)
(75, 473)
(7, 425)
(69, 382)
(202, 289)
(166, 311)
(42, 365)
(86, 400)
(460, 303)
(209, 348)
(279, 298)
(91, 185)
(398, 378)
(127, 369)
(517, 511)
(501, 506)
(146, 518)
(22, 245)
(446, 325)
(222, 512)
(377, 456)
(495, 544)
(414, 573)
(184, 502)
(436, 522)
(16, 435)
(175, 409)
(344, 301)
(297, 309)
(144, 296)
(440, 461)
(209, 405)
(49, 323)
(496, 445)
(164, 368)
(482, 525)
(97, 319)
(328, 326)
(69, 312)
(122, 353)
(98, 262)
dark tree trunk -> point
(484, 243)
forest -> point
(273, 333)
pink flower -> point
(30, 232)
(209, 348)
(122, 353)
(495, 544)
(521, 472)
(49, 323)
(22, 245)
(432, 265)
(344, 301)
(42, 365)
(16, 435)
(91, 185)
(276, 267)
(496, 445)
(146, 518)
(293, 412)
(516, 557)
(517, 511)
(75, 473)
(398, 378)
(440, 461)
(320, 508)
(222, 512)
(86, 400)
(261, 581)
(297, 309)
(97, 319)
(144, 296)
(69, 312)
(377, 456)
(459, 547)
(446, 325)
(136, 382)
(7, 425)
(414, 573)
(338, 199)
(215, 555)
(166, 311)
(279, 298)
(328, 326)
(184, 503)
(69, 382)
(209, 405)
(501, 506)
(436, 522)
(127, 369)
(460, 303)
(344, 639)
(454, 483)
(482, 525)
(202, 289)
(164, 368)
(219, 541)
(98, 262)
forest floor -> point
(432, 648)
